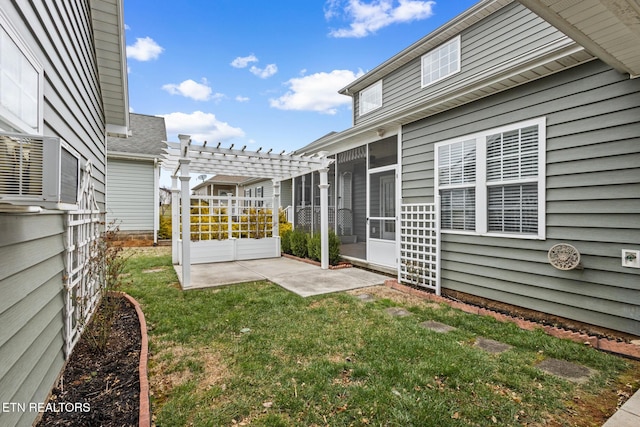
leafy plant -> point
(285, 241)
(299, 245)
(314, 249)
(107, 265)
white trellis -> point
(82, 288)
(184, 158)
(419, 246)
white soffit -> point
(609, 29)
(108, 30)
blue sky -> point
(264, 73)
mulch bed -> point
(101, 388)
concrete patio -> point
(296, 276)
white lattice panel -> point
(419, 246)
(82, 286)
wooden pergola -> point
(184, 158)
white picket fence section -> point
(82, 288)
(419, 246)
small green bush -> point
(334, 248)
(165, 227)
(285, 241)
(314, 247)
(299, 243)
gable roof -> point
(148, 134)
(108, 31)
(225, 180)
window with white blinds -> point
(20, 84)
(493, 182)
(457, 178)
(371, 98)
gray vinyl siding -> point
(62, 41)
(286, 193)
(592, 197)
(131, 194)
(501, 37)
(59, 35)
(31, 337)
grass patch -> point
(257, 354)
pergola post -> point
(175, 218)
(186, 210)
(276, 208)
(324, 218)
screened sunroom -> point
(363, 200)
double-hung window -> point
(20, 84)
(493, 182)
(371, 98)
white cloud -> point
(316, 92)
(265, 72)
(144, 49)
(201, 126)
(241, 98)
(243, 61)
(192, 89)
(367, 18)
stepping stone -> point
(153, 270)
(437, 326)
(366, 297)
(398, 311)
(491, 346)
(567, 370)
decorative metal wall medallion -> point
(564, 256)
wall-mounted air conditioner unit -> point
(38, 171)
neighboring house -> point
(65, 65)
(133, 171)
(520, 138)
(222, 185)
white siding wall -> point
(131, 194)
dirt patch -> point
(106, 384)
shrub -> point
(314, 247)
(299, 243)
(285, 241)
(334, 248)
(164, 232)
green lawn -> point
(257, 354)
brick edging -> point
(612, 346)
(144, 417)
(310, 261)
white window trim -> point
(6, 115)
(375, 86)
(453, 40)
(481, 179)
